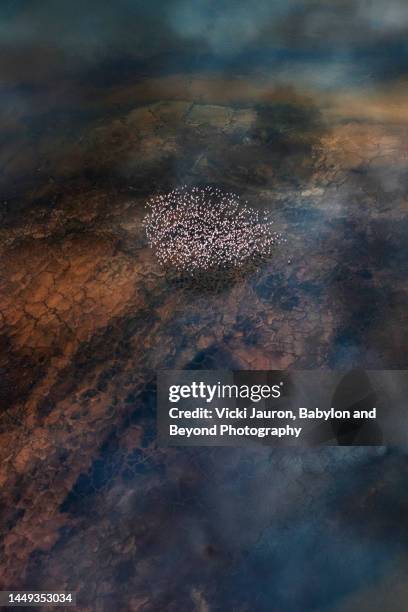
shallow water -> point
(300, 108)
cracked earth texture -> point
(88, 501)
